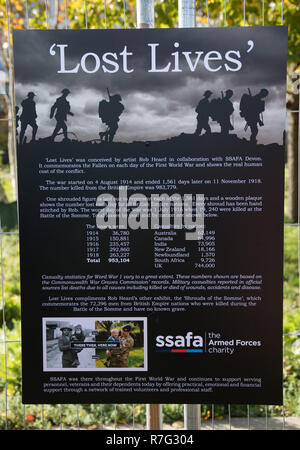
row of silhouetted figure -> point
(219, 110)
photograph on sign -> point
(94, 344)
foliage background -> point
(120, 14)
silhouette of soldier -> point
(225, 112)
(203, 113)
(63, 109)
(109, 113)
(17, 119)
(252, 108)
(28, 116)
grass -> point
(136, 357)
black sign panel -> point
(151, 185)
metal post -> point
(187, 19)
(145, 13)
(191, 417)
(186, 14)
(145, 19)
(154, 417)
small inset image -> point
(94, 344)
(128, 335)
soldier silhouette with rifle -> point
(62, 109)
(110, 112)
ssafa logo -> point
(189, 343)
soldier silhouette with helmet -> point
(203, 114)
(28, 116)
(251, 109)
(61, 109)
(110, 112)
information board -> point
(151, 187)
